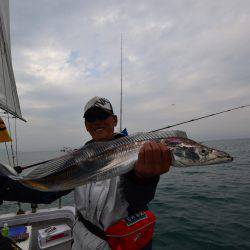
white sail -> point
(8, 93)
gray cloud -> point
(194, 54)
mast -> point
(121, 90)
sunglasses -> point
(100, 116)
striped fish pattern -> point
(103, 160)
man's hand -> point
(154, 159)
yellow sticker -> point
(4, 135)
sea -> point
(198, 207)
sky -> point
(181, 59)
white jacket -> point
(102, 203)
(106, 202)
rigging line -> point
(16, 143)
(4, 82)
(121, 90)
(8, 117)
(18, 203)
(199, 118)
(11, 144)
(7, 153)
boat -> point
(66, 149)
(38, 225)
(44, 228)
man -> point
(102, 204)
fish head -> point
(187, 152)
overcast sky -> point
(181, 59)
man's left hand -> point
(154, 159)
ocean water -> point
(198, 207)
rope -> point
(7, 153)
(16, 143)
(11, 144)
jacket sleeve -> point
(138, 194)
(11, 190)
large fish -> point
(102, 160)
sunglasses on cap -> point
(99, 116)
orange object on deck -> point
(4, 135)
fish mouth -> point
(224, 155)
(230, 158)
(221, 159)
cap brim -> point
(97, 108)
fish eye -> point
(203, 151)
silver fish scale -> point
(119, 163)
(51, 167)
(95, 150)
(115, 168)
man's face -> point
(99, 125)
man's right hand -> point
(154, 159)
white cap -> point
(98, 102)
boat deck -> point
(40, 220)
